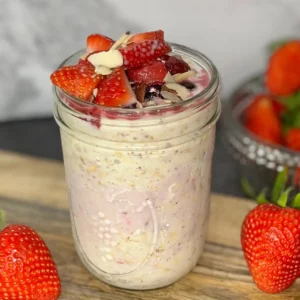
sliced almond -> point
(181, 91)
(165, 88)
(184, 76)
(121, 41)
(95, 92)
(110, 59)
(139, 105)
(125, 42)
(169, 78)
(170, 96)
(100, 70)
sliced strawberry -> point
(78, 81)
(293, 139)
(98, 42)
(115, 90)
(153, 73)
(261, 119)
(145, 36)
(139, 54)
(283, 74)
(175, 64)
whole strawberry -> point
(270, 239)
(27, 270)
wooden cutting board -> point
(33, 192)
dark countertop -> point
(41, 138)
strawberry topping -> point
(175, 64)
(78, 81)
(153, 73)
(151, 35)
(123, 73)
(115, 90)
(139, 54)
(98, 42)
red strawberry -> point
(145, 36)
(270, 241)
(270, 238)
(139, 54)
(79, 80)
(27, 270)
(153, 73)
(98, 42)
(175, 64)
(115, 90)
(261, 119)
(283, 74)
(292, 139)
(278, 107)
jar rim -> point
(207, 94)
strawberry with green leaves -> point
(27, 269)
(270, 238)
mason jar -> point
(139, 182)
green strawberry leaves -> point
(292, 102)
(279, 185)
(262, 197)
(280, 194)
(296, 202)
(291, 117)
(247, 188)
(284, 197)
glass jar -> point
(139, 182)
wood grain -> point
(33, 191)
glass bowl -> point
(259, 160)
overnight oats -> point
(137, 119)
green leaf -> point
(292, 102)
(279, 185)
(283, 199)
(290, 119)
(2, 219)
(296, 201)
(262, 198)
(247, 188)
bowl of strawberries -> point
(261, 121)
